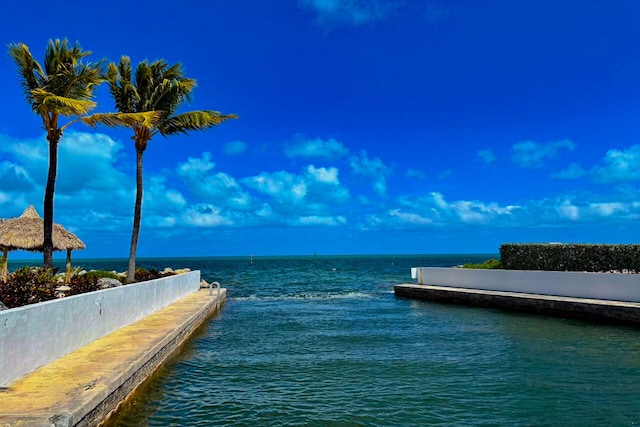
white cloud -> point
(476, 211)
(316, 148)
(315, 190)
(582, 209)
(235, 148)
(609, 208)
(348, 12)
(410, 218)
(29, 150)
(434, 210)
(205, 215)
(414, 173)
(531, 154)
(568, 210)
(269, 198)
(91, 175)
(574, 171)
(93, 159)
(326, 175)
(157, 197)
(218, 188)
(486, 155)
(282, 187)
(324, 188)
(196, 165)
(16, 178)
(373, 169)
(619, 166)
(98, 189)
(315, 220)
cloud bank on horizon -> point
(417, 146)
(342, 189)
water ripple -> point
(300, 351)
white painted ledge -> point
(34, 335)
(605, 286)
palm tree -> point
(148, 105)
(63, 87)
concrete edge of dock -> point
(86, 386)
(619, 312)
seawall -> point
(606, 286)
(34, 335)
(85, 387)
(607, 297)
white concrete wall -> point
(608, 286)
(34, 335)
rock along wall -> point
(34, 335)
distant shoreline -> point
(79, 259)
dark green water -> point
(327, 343)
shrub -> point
(142, 275)
(27, 285)
(30, 285)
(101, 274)
(487, 265)
(83, 283)
(571, 257)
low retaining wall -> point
(35, 335)
(603, 286)
(582, 308)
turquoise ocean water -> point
(324, 342)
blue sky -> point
(364, 126)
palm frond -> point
(145, 84)
(122, 90)
(192, 120)
(172, 94)
(147, 119)
(29, 70)
(49, 102)
(60, 53)
(77, 82)
(156, 87)
(64, 84)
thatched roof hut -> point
(27, 233)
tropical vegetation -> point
(30, 285)
(489, 264)
(62, 87)
(147, 102)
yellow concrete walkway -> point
(83, 387)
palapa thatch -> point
(27, 233)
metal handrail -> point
(211, 288)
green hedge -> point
(570, 257)
(489, 264)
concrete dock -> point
(583, 308)
(85, 386)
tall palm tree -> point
(63, 87)
(148, 104)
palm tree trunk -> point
(67, 278)
(53, 137)
(137, 211)
(5, 253)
